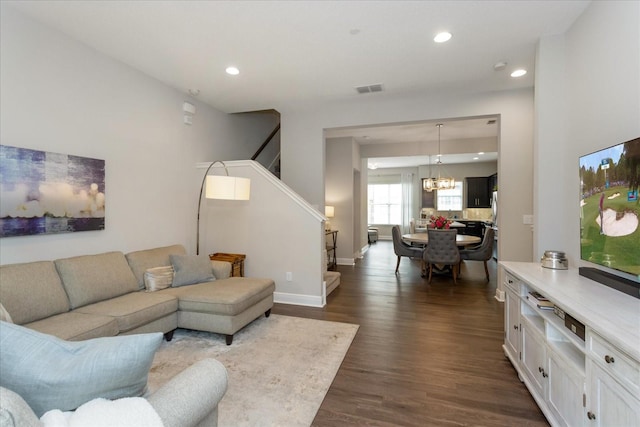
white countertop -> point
(607, 311)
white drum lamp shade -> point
(227, 187)
(221, 187)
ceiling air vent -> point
(370, 88)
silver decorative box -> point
(555, 260)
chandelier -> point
(429, 184)
(439, 183)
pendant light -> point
(429, 184)
(442, 183)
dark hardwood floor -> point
(425, 355)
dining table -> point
(423, 238)
(462, 240)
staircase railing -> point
(266, 142)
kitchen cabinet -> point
(578, 376)
(428, 198)
(478, 192)
(472, 228)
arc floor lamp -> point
(221, 187)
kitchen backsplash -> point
(478, 213)
(472, 213)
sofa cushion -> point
(50, 373)
(191, 269)
(92, 278)
(73, 326)
(227, 297)
(32, 291)
(134, 309)
(141, 261)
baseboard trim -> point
(346, 261)
(298, 299)
(500, 295)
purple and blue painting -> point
(47, 193)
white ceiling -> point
(297, 53)
(456, 133)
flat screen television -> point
(610, 216)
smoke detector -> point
(499, 66)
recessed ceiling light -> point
(519, 73)
(233, 71)
(476, 158)
(442, 37)
(480, 153)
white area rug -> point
(280, 367)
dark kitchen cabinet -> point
(428, 198)
(472, 228)
(478, 192)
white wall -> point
(339, 194)
(302, 138)
(277, 230)
(587, 98)
(59, 95)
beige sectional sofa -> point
(104, 295)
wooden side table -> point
(236, 260)
(331, 237)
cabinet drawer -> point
(512, 283)
(613, 361)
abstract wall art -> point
(48, 193)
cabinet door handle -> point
(591, 415)
(540, 369)
(515, 327)
(609, 359)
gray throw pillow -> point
(50, 373)
(191, 269)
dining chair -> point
(442, 249)
(483, 252)
(401, 248)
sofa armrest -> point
(221, 269)
(15, 412)
(192, 395)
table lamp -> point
(329, 212)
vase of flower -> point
(439, 222)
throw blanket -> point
(125, 412)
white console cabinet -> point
(587, 382)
